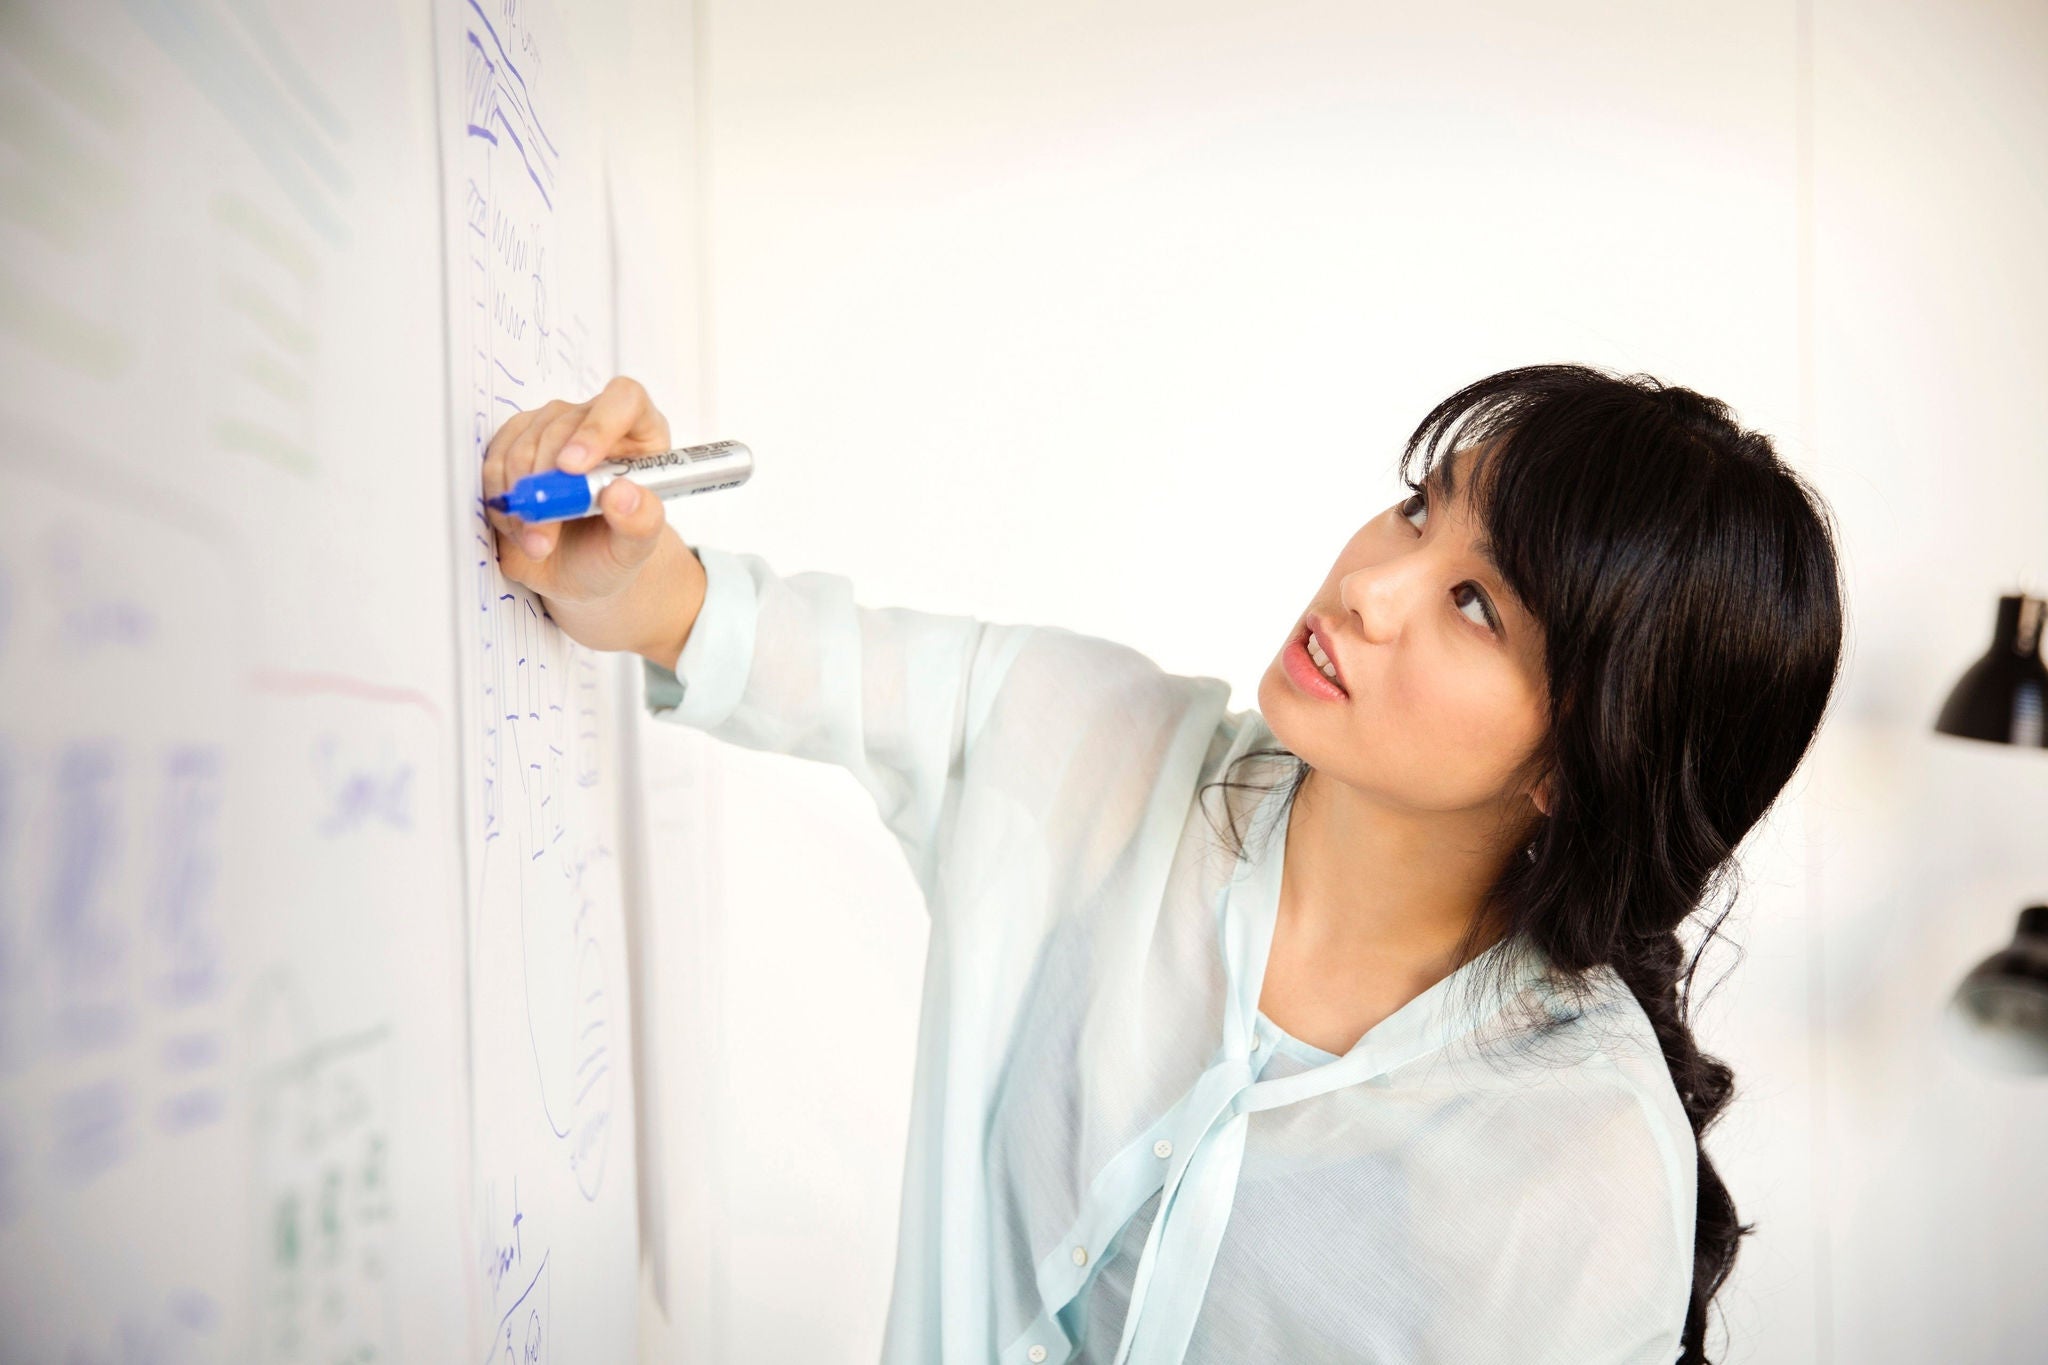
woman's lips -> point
(1302, 670)
(1320, 629)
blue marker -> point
(557, 494)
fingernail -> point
(628, 496)
(573, 458)
(536, 545)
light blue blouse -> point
(1114, 1156)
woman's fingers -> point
(574, 437)
(635, 518)
(524, 448)
(620, 415)
(548, 435)
(494, 480)
(521, 456)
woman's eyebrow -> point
(1442, 482)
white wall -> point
(1116, 317)
(1931, 136)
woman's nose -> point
(1380, 597)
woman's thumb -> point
(635, 518)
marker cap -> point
(549, 496)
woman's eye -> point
(1485, 616)
(1416, 504)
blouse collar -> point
(1444, 1013)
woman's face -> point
(1441, 669)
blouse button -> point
(1080, 1255)
(1162, 1149)
(1036, 1353)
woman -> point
(1402, 1071)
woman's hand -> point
(620, 581)
(583, 558)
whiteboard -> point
(530, 319)
(299, 956)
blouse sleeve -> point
(793, 665)
(1070, 729)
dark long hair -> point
(1692, 609)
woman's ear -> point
(1541, 795)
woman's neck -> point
(1363, 880)
(1373, 908)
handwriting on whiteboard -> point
(547, 1014)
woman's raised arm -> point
(794, 665)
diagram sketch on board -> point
(232, 1105)
(531, 319)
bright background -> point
(1115, 318)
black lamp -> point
(2002, 696)
(2000, 1011)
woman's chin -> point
(1280, 703)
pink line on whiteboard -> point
(298, 684)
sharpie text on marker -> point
(557, 494)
